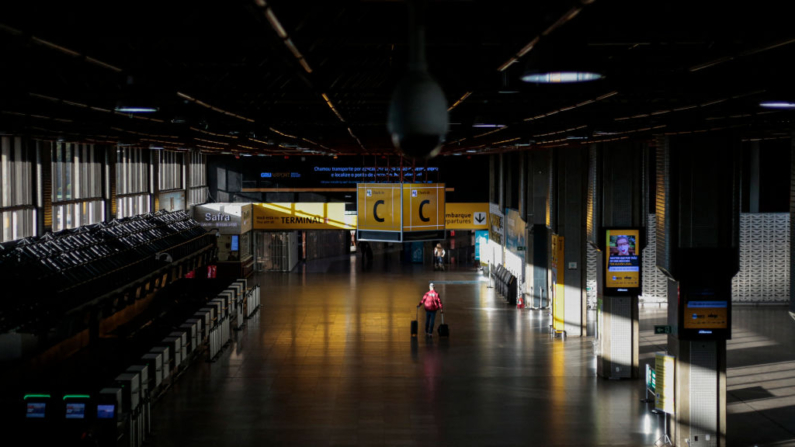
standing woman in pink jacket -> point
(432, 303)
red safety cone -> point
(520, 302)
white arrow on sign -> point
(479, 219)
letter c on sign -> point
(375, 211)
(423, 203)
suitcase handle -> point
(442, 317)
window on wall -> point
(77, 186)
(17, 213)
(132, 182)
(170, 170)
(197, 188)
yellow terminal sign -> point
(467, 216)
(379, 206)
(302, 216)
(423, 206)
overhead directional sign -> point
(423, 206)
(423, 211)
(400, 212)
(379, 206)
(302, 216)
(466, 216)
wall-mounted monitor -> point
(106, 411)
(622, 261)
(36, 410)
(75, 410)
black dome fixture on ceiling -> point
(418, 119)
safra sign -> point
(217, 217)
(227, 218)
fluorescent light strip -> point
(96, 109)
(63, 120)
(490, 132)
(282, 33)
(213, 133)
(211, 141)
(712, 63)
(565, 109)
(216, 109)
(460, 100)
(331, 106)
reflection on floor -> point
(330, 361)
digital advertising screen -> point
(75, 411)
(622, 267)
(36, 410)
(706, 313)
(235, 243)
(106, 411)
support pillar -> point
(522, 188)
(571, 185)
(109, 183)
(616, 177)
(538, 241)
(492, 180)
(792, 230)
(501, 183)
(698, 248)
(753, 178)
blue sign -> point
(480, 236)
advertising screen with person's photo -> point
(623, 259)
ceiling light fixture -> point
(777, 105)
(559, 64)
(129, 109)
(561, 77)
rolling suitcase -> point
(444, 331)
(415, 325)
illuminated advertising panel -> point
(705, 312)
(622, 266)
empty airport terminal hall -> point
(454, 223)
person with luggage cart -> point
(432, 303)
(438, 257)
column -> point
(616, 199)
(572, 163)
(538, 241)
(697, 213)
(792, 231)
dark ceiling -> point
(225, 80)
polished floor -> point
(329, 361)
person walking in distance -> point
(432, 303)
(438, 257)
